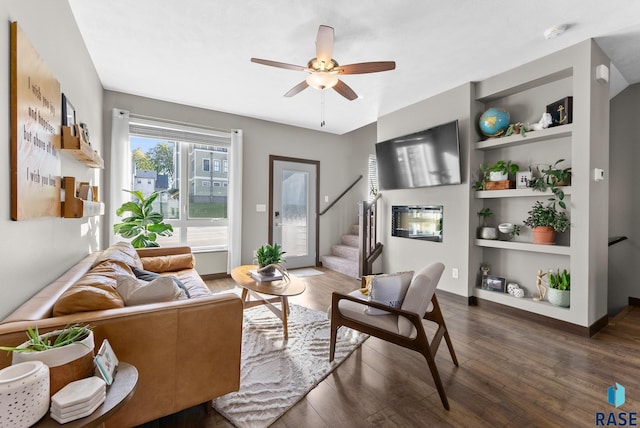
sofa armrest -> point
(163, 251)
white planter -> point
(66, 364)
(498, 176)
(24, 394)
(559, 297)
(488, 233)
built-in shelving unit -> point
(77, 146)
(517, 193)
(529, 138)
(524, 246)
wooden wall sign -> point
(35, 120)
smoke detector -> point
(553, 32)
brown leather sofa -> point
(187, 352)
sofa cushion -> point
(95, 290)
(122, 252)
(139, 292)
(169, 263)
(145, 275)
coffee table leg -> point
(284, 304)
(245, 293)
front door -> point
(294, 200)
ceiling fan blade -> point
(366, 67)
(279, 64)
(324, 44)
(298, 88)
(344, 90)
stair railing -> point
(370, 248)
(335, 201)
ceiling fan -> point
(324, 70)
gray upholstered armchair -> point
(399, 325)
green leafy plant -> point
(270, 254)
(503, 167)
(547, 215)
(517, 128)
(68, 335)
(484, 214)
(552, 178)
(559, 280)
(143, 225)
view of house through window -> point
(192, 183)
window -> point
(191, 201)
(225, 166)
(372, 178)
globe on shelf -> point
(494, 122)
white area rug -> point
(275, 374)
(301, 273)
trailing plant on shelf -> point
(143, 225)
(553, 177)
(516, 128)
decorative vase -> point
(488, 233)
(543, 235)
(24, 393)
(559, 297)
(66, 364)
(498, 176)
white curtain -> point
(234, 205)
(119, 168)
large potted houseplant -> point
(143, 225)
(545, 221)
(559, 288)
(270, 258)
(67, 352)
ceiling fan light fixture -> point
(322, 80)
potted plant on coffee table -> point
(545, 221)
(559, 288)
(270, 258)
(68, 352)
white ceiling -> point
(197, 52)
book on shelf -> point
(265, 278)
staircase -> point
(344, 256)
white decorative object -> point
(78, 399)
(24, 394)
(602, 73)
(522, 179)
(515, 290)
(488, 233)
(543, 123)
(498, 176)
(505, 227)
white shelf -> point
(517, 193)
(531, 137)
(525, 303)
(524, 246)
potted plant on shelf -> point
(485, 231)
(67, 352)
(545, 221)
(499, 171)
(553, 177)
(143, 225)
(270, 258)
(559, 288)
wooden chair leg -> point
(332, 343)
(436, 316)
(436, 377)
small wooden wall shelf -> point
(75, 207)
(79, 148)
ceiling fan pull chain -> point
(322, 108)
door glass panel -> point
(295, 212)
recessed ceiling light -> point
(553, 32)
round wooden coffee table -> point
(280, 289)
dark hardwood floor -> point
(513, 373)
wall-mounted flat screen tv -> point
(427, 158)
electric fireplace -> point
(417, 222)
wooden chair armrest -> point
(336, 297)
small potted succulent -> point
(559, 288)
(485, 231)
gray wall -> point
(407, 254)
(624, 205)
(35, 252)
(261, 139)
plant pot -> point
(559, 297)
(268, 272)
(66, 364)
(24, 393)
(488, 233)
(543, 235)
(498, 176)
